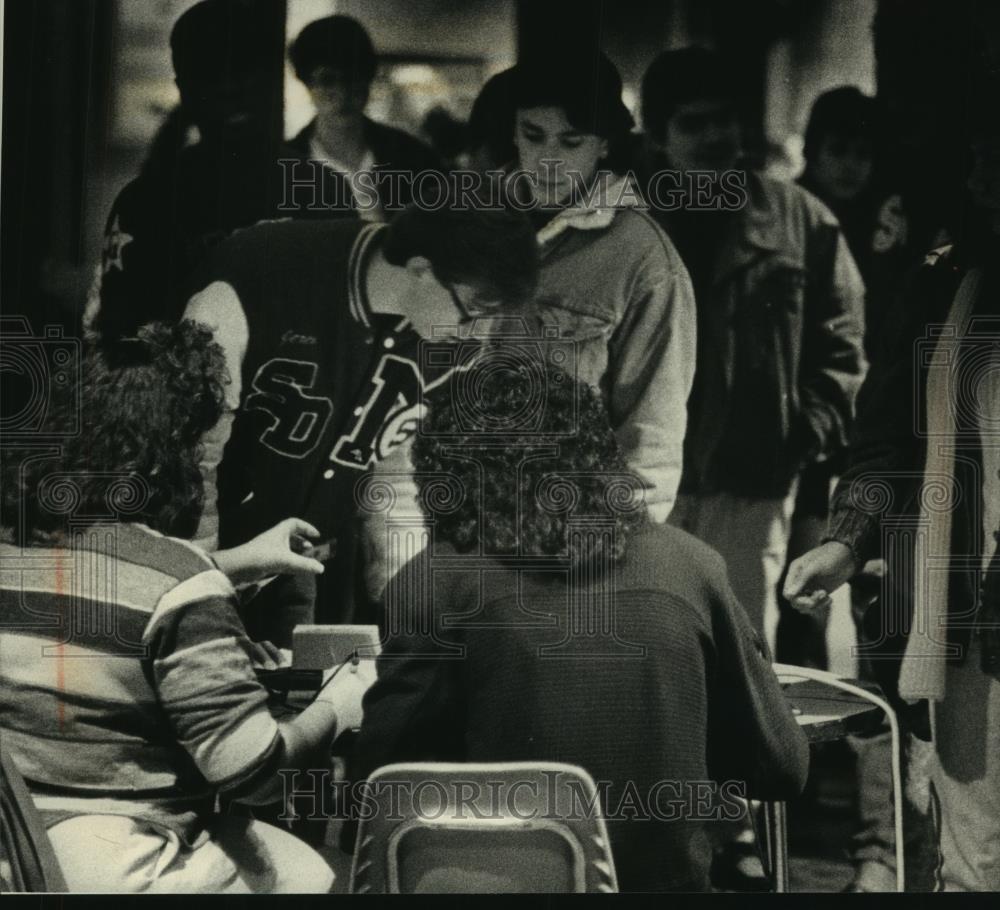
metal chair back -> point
(481, 828)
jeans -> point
(751, 535)
(873, 845)
(965, 779)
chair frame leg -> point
(896, 759)
(776, 825)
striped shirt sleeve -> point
(206, 683)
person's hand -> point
(266, 656)
(345, 691)
(279, 551)
(813, 577)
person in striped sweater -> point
(128, 698)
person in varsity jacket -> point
(321, 324)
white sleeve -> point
(218, 307)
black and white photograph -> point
(500, 447)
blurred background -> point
(87, 84)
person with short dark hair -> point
(324, 327)
(840, 146)
(543, 533)
(135, 705)
(335, 59)
(189, 195)
(611, 281)
(780, 327)
(490, 130)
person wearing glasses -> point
(345, 157)
(322, 325)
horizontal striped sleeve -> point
(205, 681)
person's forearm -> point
(231, 565)
(303, 738)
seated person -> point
(674, 689)
(128, 699)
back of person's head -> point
(490, 130)
(587, 87)
(536, 467)
(219, 39)
(681, 77)
(491, 249)
(227, 63)
(129, 436)
(445, 133)
(846, 113)
(338, 42)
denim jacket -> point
(785, 357)
(613, 283)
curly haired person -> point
(535, 526)
(128, 698)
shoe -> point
(872, 878)
(736, 866)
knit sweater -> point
(126, 686)
(669, 708)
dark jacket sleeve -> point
(833, 359)
(141, 264)
(886, 454)
(753, 735)
(415, 709)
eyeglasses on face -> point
(474, 306)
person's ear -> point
(419, 267)
(603, 150)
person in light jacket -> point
(611, 280)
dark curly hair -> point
(529, 461)
(140, 411)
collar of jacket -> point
(371, 131)
(758, 230)
(591, 214)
